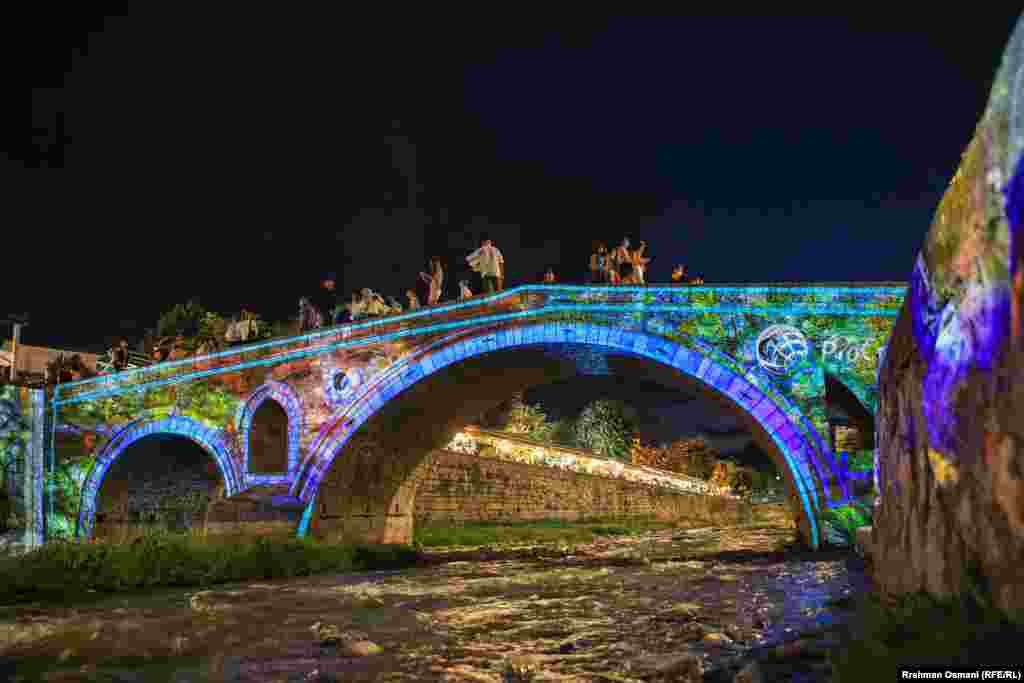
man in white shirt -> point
(489, 262)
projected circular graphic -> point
(343, 383)
(347, 381)
(780, 347)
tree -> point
(563, 432)
(529, 420)
(604, 427)
(184, 319)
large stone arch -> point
(285, 397)
(795, 449)
(208, 438)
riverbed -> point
(659, 605)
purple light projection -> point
(771, 411)
(210, 439)
(286, 397)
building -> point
(32, 360)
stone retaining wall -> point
(775, 514)
(461, 487)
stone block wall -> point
(460, 487)
(774, 514)
(158, 496)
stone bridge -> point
(325, 429)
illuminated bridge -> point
(329, 425)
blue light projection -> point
(755, 299)
(286, 397)
(467, 324)
(772, 412)
(210, 439)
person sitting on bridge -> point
(309, 316)
(679, 275)
(178, 349)
(464, 291)
(354, 309)
(434, 281)
(374, 303)
(394, 305)
(549, 277)
(414, 301)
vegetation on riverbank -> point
(840, 523)
(69, 571)
(918, 630)
(65, 572)
(531, 531)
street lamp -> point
(18, 321)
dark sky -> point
(237, 157)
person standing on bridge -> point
(599, 264)
(639, 262)
(489, 262)
(355, 306)
(464, 291)
(621, 260)
(549, 277)
(414, 301)
(435, 281)
(326, 300)
(119, 355)
(679, 275)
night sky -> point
(236, 158)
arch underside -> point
(796, 451)
(211, 440)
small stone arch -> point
(212, 440)
(784, 424)
(289, 401)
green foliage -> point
(531, 531)
(528, 420)
(281, 328)
(563, 432)
(764, 482)
(603, 427)
(839, 524)
(921, 631)
(186, 319)
(861, 461)
(59, 526)
(63, 571)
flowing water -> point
(621, 609)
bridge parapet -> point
(527, 300)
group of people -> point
(627, 266)
(326, 307)
(623, 265)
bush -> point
(838, 525)
(861, 461)
(918, 630)
(65, 570)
